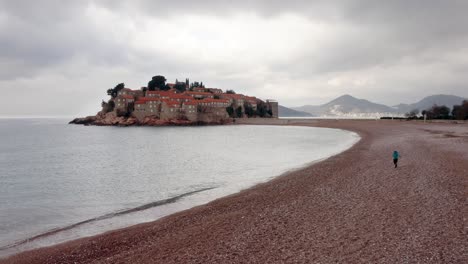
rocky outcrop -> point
(83, 120)
(111, 119)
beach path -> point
(354, 207)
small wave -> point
(107, 216)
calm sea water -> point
(60, 182)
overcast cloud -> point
(60, 57)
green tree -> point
(460, 112)
(230, 92)
(107, 106)
(165, 87)
(130, 109)
(230, 111)
(248, 109)
(157, 82)
(437, 112)
(180, 86)
(262, 109)
(442, 112)
(111, 105)
(413, 114)
(239, 111)
(193, 85)
(113, 92)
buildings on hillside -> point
(199, 104)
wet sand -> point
(351, 208)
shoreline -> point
(235, 228)
(46, 238)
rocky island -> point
(179, 103)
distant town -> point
(178, 103)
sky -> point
(58, 58)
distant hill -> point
(348, 106)
(288, 112)
(429, 101)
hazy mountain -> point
(348, 105)
(429, 101)
(311, 109)
(288, 112)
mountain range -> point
(429, 101)
(349, 106)
(288, 112)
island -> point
(179, 103)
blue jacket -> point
(396, 155)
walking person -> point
(396, 155)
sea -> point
(60, 182)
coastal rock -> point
(111, 119)
(84, 120)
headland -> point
(176, 104)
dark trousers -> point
(395, 161)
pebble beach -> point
(354, 207)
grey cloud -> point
(47, 12)
(38, 37)
(389, 30)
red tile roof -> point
(160, 93)
(180, 96)
(210, 100)
(145, 99)
(193, 102)
(233, 96)
(198, 93)
(171, 103)
(215, 90)
(251, 99)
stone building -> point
(252, 100)
(235, 100)
(147, 106)
(190, 110)
(199, 89)
(195, 105)
(199, 95)
(128, 91)
(273, 106)
(214, 90)
(122, 102)
(211, 110)
(171, 110)
(181, 98)
(160, 94)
